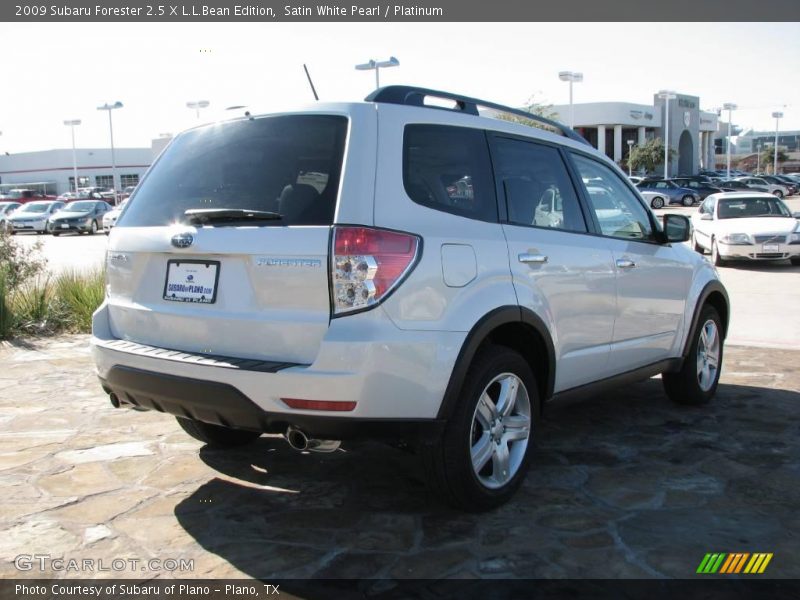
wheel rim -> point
(94, 226)
(501, 428)
(658, 203)
(708, 355)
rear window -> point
(448, 169)
(290, 165)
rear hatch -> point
(223, 248)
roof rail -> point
(415, 96)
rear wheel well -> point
(528, 342)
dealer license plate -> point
(64, 226)
(192, 281)
(772, 247)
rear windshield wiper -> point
(201, 216)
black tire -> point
(93, 230)
(697, 247)
(795, 261)
(657, 202)
(684, 387)
(687, 200)
(778, 193)
(448, 462)
(716, 259)
(217, 436)
(56, 234)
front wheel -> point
(697, 247)
(217, 436)
(795, 261)
(93, 230)
(715, 257)
(657, 202)
(696, 382)
(483, 454)
(688, 200)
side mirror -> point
(796, 215)
(706, 217)
(676, 228)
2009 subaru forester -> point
(397, 270)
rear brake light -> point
(367, 264)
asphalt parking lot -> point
(622, 485)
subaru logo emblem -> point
(182, 240)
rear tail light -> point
(367, 264)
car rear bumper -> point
(389, 373)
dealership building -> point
(609, 126)
(52, 170)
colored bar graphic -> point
(735, 562)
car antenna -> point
(311, 83)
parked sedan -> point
(83, 216)
(778, 190)
(702, 187)
(6, 208)
(733, 185)
(32, 216)
(110, 218)
(746, 226)
(674, 193)
(654, 199)
(790, 185)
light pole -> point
(630, 148)
(758, 159)
(730, 107)
(109, 108)
(666, 95)
(197, 105)
(71, 124)
(777, 116)
(571, 77)
(377, 65)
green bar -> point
(718, 564)
(701, 568)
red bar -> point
(319, 405)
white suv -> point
(392, 270)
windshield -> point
(752, 207)
(288, 165)
(79, 207)
(35, 207)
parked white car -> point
(6, 209)
(110, 218)
(654, 199)
(32, 216)
(386, 269)
(757, 182)
(746, 226)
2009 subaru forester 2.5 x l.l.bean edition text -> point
(393, 270)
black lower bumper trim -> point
(223, 404)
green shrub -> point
(6, 316)
(34, 308)
(78, 295)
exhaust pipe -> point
(300, 441)
(114, 400)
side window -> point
(447, 168)
(538, 190)
(618, 210)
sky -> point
(57, 71)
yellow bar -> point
(728, 561)
(765, 563)
(741, 562)
(755, 562)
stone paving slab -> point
(623, 485)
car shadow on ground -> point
(624, 484)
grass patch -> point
(79, 294)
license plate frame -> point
(771, 248)
(181, 277)
(64, 226)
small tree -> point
(768, 156)
(649, 155)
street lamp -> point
(666, 95)
(377, 66)
(730, 107)
(630, 148)
(572, 77)
(197, 106)
(71, 124)
(109, 108)
(777, 116)
(758, 159)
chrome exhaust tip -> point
(300, 441)
(114, 400)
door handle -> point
(625, 263)
(532, 258)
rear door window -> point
(290, 165)
(447, 168)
